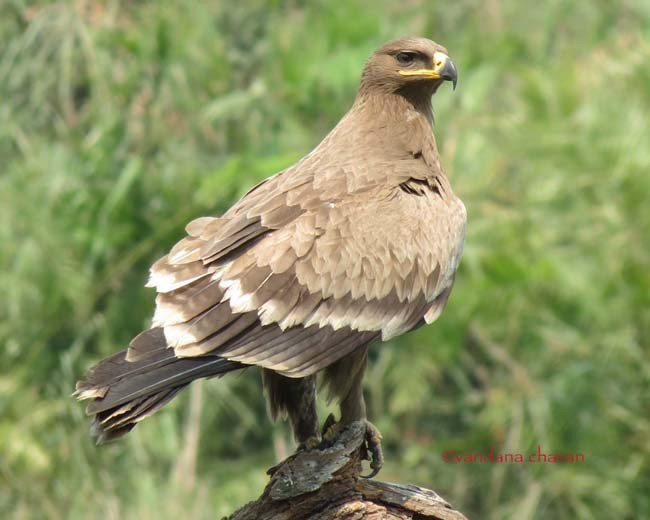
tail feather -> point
(174, 373)
(124, 392)
(110, 425)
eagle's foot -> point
(310, 443)
(371, 448)
(331, 430)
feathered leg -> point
(345, 381)
(297, 398)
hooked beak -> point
(443, 68)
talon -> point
(371, 447)
(310, 443)
(329, 422)
(372, 474)
(374, 453)
(331, 431)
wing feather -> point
(298, 273)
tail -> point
(124, 392)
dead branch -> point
(326, 484)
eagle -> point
(357, 242)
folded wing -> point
(293, 278)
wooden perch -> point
(326, 484)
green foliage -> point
(121, 121)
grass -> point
(121, 121)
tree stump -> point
(326, 484)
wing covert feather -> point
(300, 272)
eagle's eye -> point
(405, 57)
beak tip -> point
(449, 72)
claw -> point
(372, 474)
(373, 449)
(310, 443)
(329, 422)
(331, 430)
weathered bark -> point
(326, 484)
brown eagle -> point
(358, 241)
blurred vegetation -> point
(122, 120)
